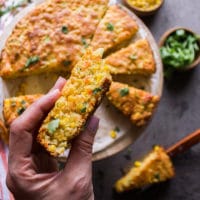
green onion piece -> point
(23, 102)
(123, 92)
(53, 125)
(117, 129)
(31, 61)
(110, 27)
(157, 176)
(84, 42)
(133, 57)
(180, 32)
(66, 63)
(21, 110)
(83, 110)
(64, 29)
(96, 90)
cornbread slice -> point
(136, 103)
(12, 108)
(89, 81)
(137, 58)
(156, 167)
(52, 37)
(116, 27)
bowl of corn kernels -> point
(144, 7)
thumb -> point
(81, 151)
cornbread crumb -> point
(137, 164)
(113, 134)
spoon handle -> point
(184, 144)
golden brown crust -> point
(135, 103)
(156, 167)
(137, 58)
(4, 133)
(89, 81)
(51, 38)
(116, 27)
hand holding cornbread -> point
(32, 173)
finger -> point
(59, 84)
(80, 156)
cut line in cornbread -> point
(135, 103)
(137, 58)
(84, 90)
(156, 167)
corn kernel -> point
(113, 134)
(137, 164)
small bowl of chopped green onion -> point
(180, 50)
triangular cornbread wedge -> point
(52, 37)
(156, 167)
(12, 108)
(137, 58)
(116, 27)
(89, 81)
(135, 103)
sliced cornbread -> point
(89, 81)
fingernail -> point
(93, 124)
(54, 92)
(60, 78)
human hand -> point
(32, 172)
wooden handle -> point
(184, 144)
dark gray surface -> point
(177, 115)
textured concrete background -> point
(177, 115)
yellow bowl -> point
(143, 12)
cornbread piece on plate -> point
(156, 167)
(85, 88)
(116, 27)
(52, 37)
(15, 106)
(137, 58)
(135, 103)
(12, 108)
